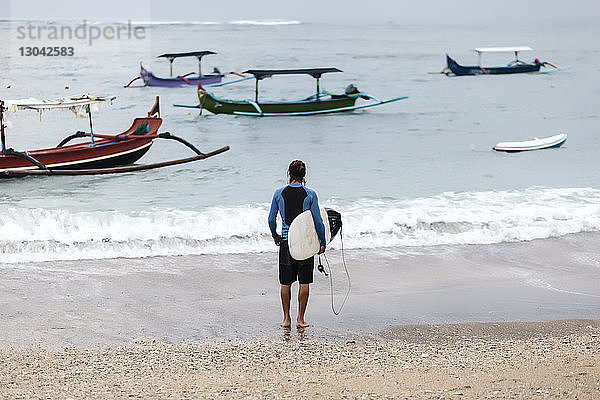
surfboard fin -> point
(335, 221)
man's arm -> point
(319, 225)
(273, 220)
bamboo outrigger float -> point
(516, 66)
(102, 154)
(190, 79)
(321, 102)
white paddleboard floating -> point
(535, 144)
(303, 240)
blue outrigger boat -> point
(190, 79)
(514, 67)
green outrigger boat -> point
(319, 103)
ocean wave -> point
(240, 22)
(167, 23)
(265, 22)
(35, 234)
(473, 218)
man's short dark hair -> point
(297, 171)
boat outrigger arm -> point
(140, 137)
(375, 102)
(322, 102)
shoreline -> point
(195, 298)
(556, 359)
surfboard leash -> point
(320, 268)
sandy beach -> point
(559, 359)
(440, 322)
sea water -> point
(416, 173)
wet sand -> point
(174, 299)
(440, 322)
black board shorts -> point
(291, 270)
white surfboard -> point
(535, 144)
(303, 240)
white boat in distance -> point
(535, 144)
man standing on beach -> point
(290, 201)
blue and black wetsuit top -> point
(290, 201)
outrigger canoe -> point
(101, 154)
(516, 66)
(321, 102)
(535, 144)
(189, 79)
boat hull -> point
(104, 153)
(151, 80)
(463, 70)
(220, 106)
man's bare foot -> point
(287, 323)
(302, 324)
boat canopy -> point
(199, 54)
(56, 104)
(74, 104)
(316, 73)
(516, 50)
(267, 73)
(501, 49)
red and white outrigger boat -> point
(101, 154)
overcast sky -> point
(418, 11)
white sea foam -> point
(265, 22)
(240, 22)
(167, 23)
(33, 234)
(473, 218)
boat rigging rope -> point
(330, 275)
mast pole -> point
(89, 110)
(3, 138)
(318, 90)
(171, 66)
(199, 66)
(479, 54)
(256, 91)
